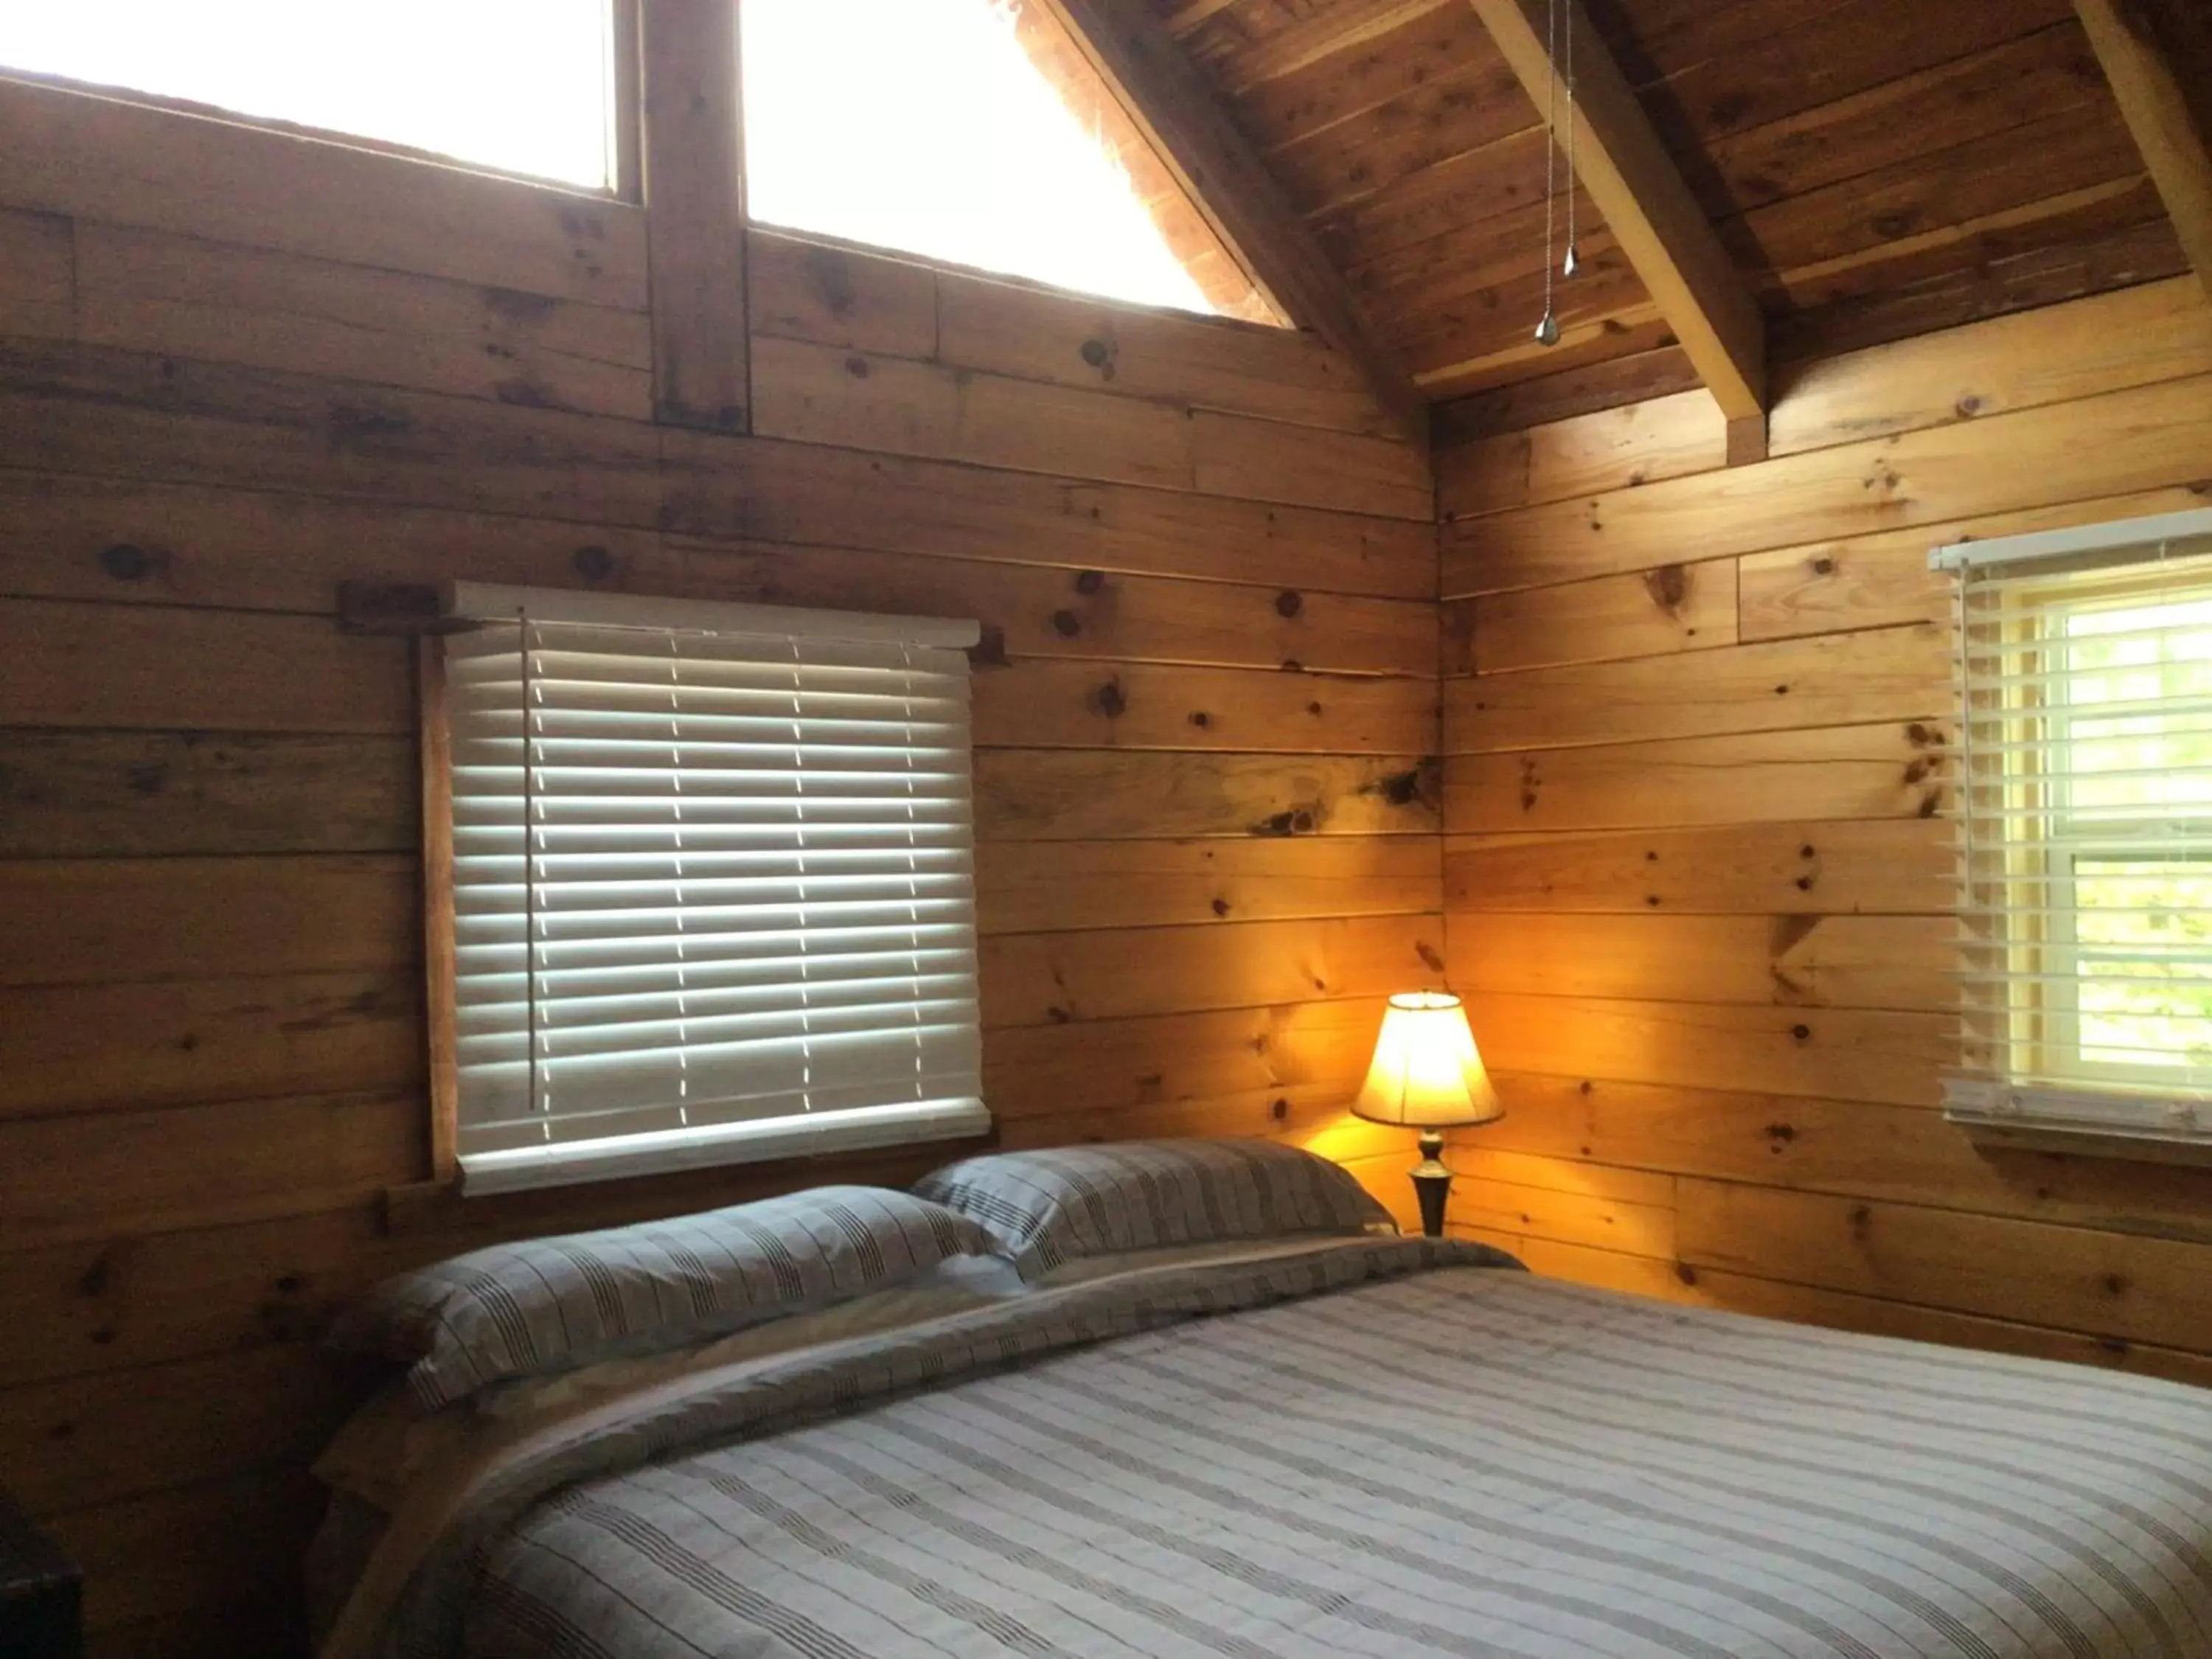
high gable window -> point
(2085, 673)
(711, 889)
(967, 131)
(520, 86)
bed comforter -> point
(1383, 1448)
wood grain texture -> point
(208, 918)
(1883, 580)
(1005, 329)
(2137, 337)
(183, 297)
(2109, 342)
(1703, 917)
(693, 142)
(95, 665)
(1677, 607)
(1893, 673)
(1494, 1203)
(2107, 1284)
(1049, 795)
(1045, 887)
(127, 794)
(1788, 960)
(1902, 865)
(1564, 395)
(239, 368)
(1637, 186)
(221, 401)
(1144, 706)
(85, 538)
(128, 1043)
(1840, 772)
(114, 163)
(1168, 100)
(107, 413)
(1635, 443)
(1063, 978)
(114, 413)
(1114, 1066)
(1857, 162)
(1884, 1057)
(1589, 1128)
(120, 1302)
(98, 1175)
(2150, 438)
(1707, 1287)
(872, 401)
(38, 276)
(2134, 40)
(725, 488)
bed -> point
(1287, 1449)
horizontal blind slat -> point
(706, 880)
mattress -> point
(1383, 1448)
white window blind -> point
(2085, 687)
(713, 893)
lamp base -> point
(1433, 1184)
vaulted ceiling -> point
(1874, 169)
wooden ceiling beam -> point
(1647, 206)
(2154, 99)
(1176, 108)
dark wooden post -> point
(692, 129)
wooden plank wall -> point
(1696, 721)
(237, 368)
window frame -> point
(2050, 1000)
(2033, 865)
(1232, 283)
(463, 607)
(625, 146)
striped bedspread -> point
(1437, 1461)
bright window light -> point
(523, 86)
(921, 125)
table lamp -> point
(1428, 1075)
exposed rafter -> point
(2154, 97)
(1635, 185)
(1177, 112)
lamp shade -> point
(1427, 1073)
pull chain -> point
(1547, 332)
(1573, 262)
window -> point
(2085, 678)
(944, 128)
(522, 86)
(713, 894)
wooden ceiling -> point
(1875, 168)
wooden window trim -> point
(440, 936)
(436, 1204)
(627, 110)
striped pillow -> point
(547, 1304)
(1050, 1207)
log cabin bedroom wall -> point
(1670, 817)
(1699, 885)
(1206, 719)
